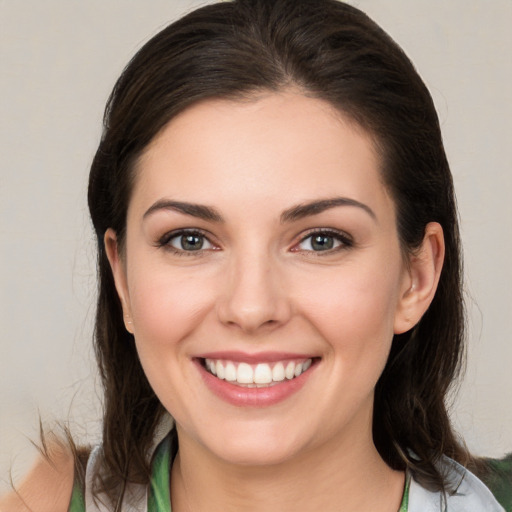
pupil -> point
(322, 243)
(191, 242)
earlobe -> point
(119, 273)
(424, 271)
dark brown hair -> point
(328, 50)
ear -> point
(420, 284)
(119, 272)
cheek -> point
(353, 308)
(167, 306)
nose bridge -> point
(253, 297)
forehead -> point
(282, 145)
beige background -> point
(59, 60)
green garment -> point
(159, 499)
(77, 503)
(499, 480)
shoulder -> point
(48, 485)
(470, 493)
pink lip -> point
(252, 397)
(260, 357)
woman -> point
(279, 270)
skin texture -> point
(258, 285)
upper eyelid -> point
(346, 241)
(169, 235)
(328, 231)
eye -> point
(186, 241)
(323, 241)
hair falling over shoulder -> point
(334, 52)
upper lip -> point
(258, 357)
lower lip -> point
(253, 397)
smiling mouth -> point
(256, 375)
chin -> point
(256, 447)
(255, 455)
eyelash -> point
(165, 242)
(345, 241)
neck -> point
(346, 476)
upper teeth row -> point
(262, 373)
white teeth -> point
(230, 373)
(290, 370)
(220, 370)
(244, 374)
(278, 372)
(261, 375)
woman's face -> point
(261, 245)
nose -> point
(254, 297)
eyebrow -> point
(315, 207)
(297, 212)
(194, 210)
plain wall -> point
(59, 60)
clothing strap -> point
(137, 496)
(159, 499)
(404, 506)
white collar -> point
(471, 493)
